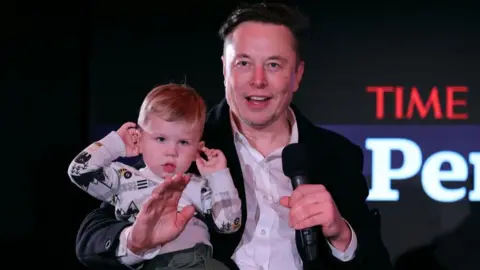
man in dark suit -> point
(263, 67)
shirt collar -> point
(290, 117)
(146, 172)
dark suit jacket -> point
(337, 164)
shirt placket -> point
(261, 186)
(267, 216)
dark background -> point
(90, 64)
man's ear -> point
(299, 75)
(223, 64)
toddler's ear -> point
(201, 144)
(138, 135)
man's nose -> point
(259, 78)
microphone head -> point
(295, 160)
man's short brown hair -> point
(272, 13)
(174, 102)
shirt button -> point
(262, 232)
(108, 244)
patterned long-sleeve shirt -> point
(95, 171)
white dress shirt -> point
(268, 243)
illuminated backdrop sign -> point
(437, 153)
(408, 101)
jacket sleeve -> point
(98, 238)
(371, 253)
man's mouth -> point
(258, 98)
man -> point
(263, 67)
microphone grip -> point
(308, 236)
(309, 243)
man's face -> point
(261, 72)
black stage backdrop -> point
(96, 65)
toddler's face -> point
(169, 148)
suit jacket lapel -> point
(319, 149)
(306, 130)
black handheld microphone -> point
(295, 164)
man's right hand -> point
(159, 222)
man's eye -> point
(160, 139)
(274, 65)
